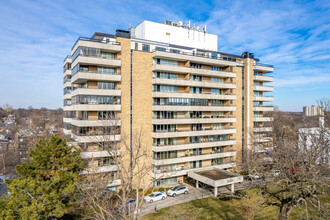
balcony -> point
(67, 59)
(104, 92)
(67, 72)
(193, 108)
(263, 108)
(66, 84)
(95, 123)
(263, 119)
(263, 88)
(188, 133)
(95, 107)
(91, 60)
(189, 120)
(263, 78)
(263, 139)
(116, 182)
(188, 145)
(95, 138)
(203, 84)
(201, 72)
(262, 129)
(182, 171)
(263, 98)
(81, 77)
(186, 159)
(192, 95)
(67, 96)
(98, 154)
(103, 169)
(94, 43)
(183, 56)
(266, 68)
(67, 120)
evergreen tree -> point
(45, 187)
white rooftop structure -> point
(178, 34)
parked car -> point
(252, 176)
(155, 196)
(177, 190)
(130, 205)
(276, 172)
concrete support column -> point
(197, 185)
(232, 188)
(215, 191)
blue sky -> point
(294, 36)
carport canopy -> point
(216, 178)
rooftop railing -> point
(263, 64)
(210, 55)
(94, 40)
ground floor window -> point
(164, 182)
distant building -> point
(313, 110)
(315, 138)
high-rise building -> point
(197, 107)
(313, 110)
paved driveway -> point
(170, 201)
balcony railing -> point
(192, 142)
(192, 155)
(211, 55)
(263, 64)
(188, 117)
(93, 40)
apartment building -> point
(197, 107)
(313, 111)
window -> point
(105, 115)
(195, 164)
(217, 80)
(256, 103)
(166, 62)
(136, 46)
(257, 83)
(195, 90)
(145, 47)
(256, 114)
(165, 75)
(160, 88)
(195, 78)
(106, 85)
(215, 68)
(106, 55)
(217, 103)
(256, 93)
(160, 49)
(174, 51)
(215, 91)
(196, 66)
(106, 70)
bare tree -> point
(294, 174)
(132, 159)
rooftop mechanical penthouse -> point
(199, 108)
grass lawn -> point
(213, 208)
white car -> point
(276, 172)
(252, 176)
(155, 196)
(177, 190)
